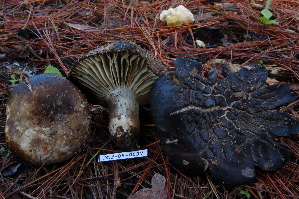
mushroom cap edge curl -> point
(226, 125)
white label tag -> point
(123, 155)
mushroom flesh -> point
(47, 120)
(119, 75)
(227, 124)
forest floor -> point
(38, 33)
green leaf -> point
(272, 22)
(266, 13)
(246, 192)
(13, 79)
(268, 4)
(267, 21)
(52, 69)
(264, 19)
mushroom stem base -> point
(124, 117)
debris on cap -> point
(47, 120)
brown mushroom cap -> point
(47, 120)
(119, 75)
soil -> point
(34, 34)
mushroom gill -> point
(119, 75)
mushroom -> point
(47, 120)
(177, 16)
(120, 75)
(225, 124)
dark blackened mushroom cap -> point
(225, 124)
(47, 120)
(120, 75)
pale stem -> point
(124, 117)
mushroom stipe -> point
(118, 75)
(47, 120)
(226, 125)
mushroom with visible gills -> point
(120, 75)
(47, 120)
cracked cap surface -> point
(225, 124)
